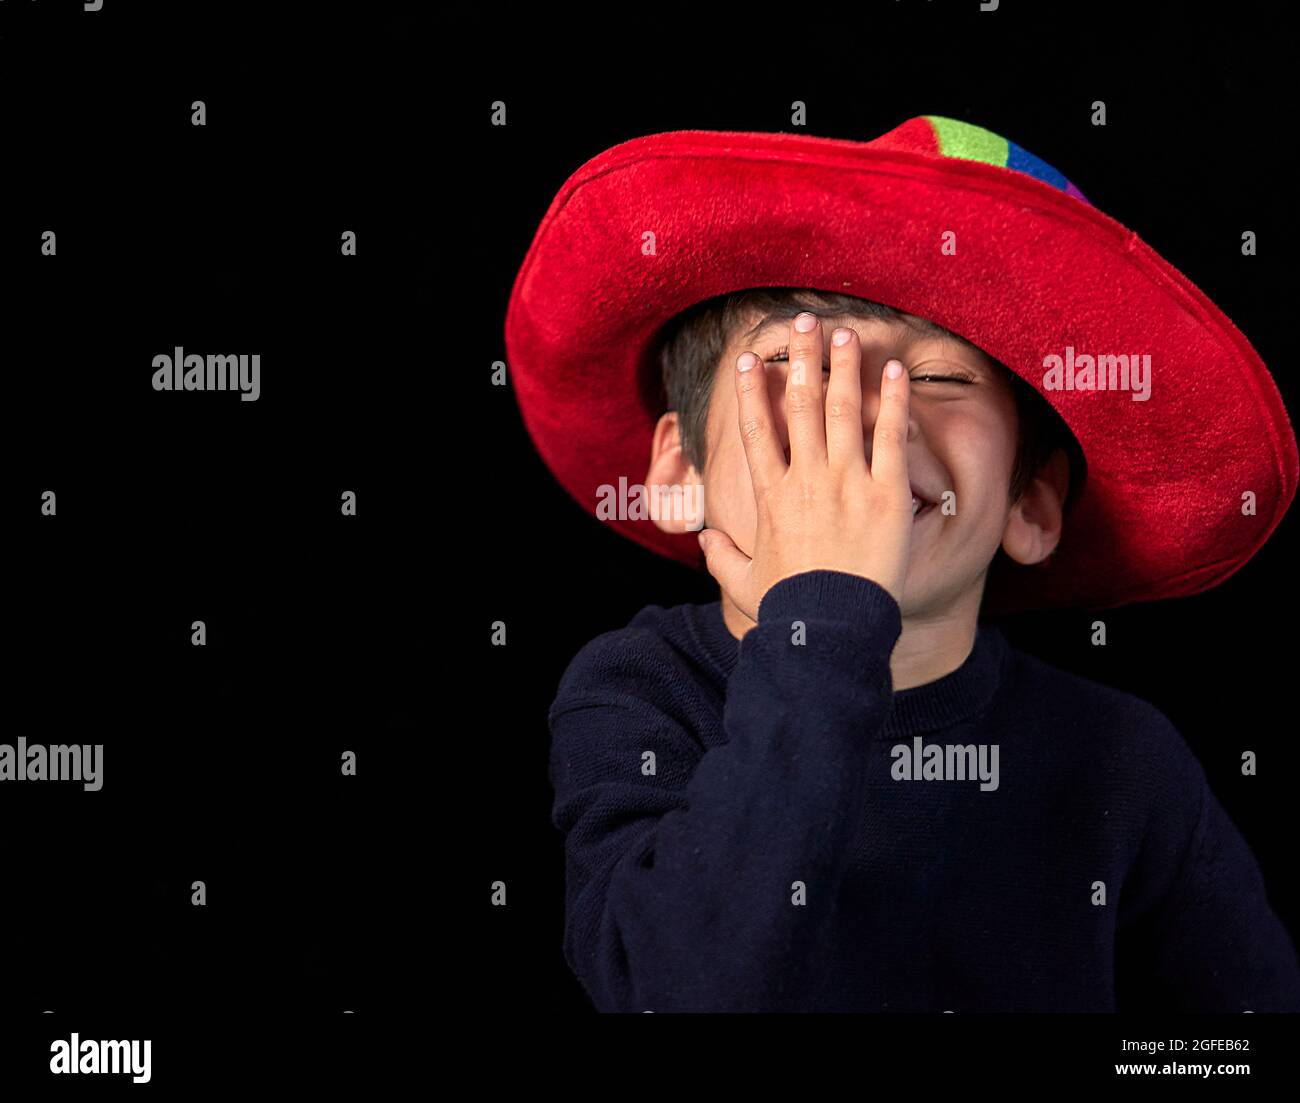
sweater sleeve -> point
(1210, 941)
(711, 883)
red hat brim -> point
(1035, 270)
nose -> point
(871, 408)
(871, 377)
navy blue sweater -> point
(740, 834)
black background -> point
(221, 763)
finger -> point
(805, 416)
(757, 429)
(726, 562)
(889, 440)
(845, 447)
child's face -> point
(962, 438)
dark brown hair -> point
(692, 343)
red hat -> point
(1037, 273)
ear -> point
(672, 482)
(1034, 527)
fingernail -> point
(805, 322)
(893, 369)
(841, 336)
(747, 360)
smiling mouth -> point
(920, 508)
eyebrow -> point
(772, 321)
(922, 327)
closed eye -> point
(782, 354)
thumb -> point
(726, 562)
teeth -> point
(916, 505)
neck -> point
(930, 645)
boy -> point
(834, 789)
